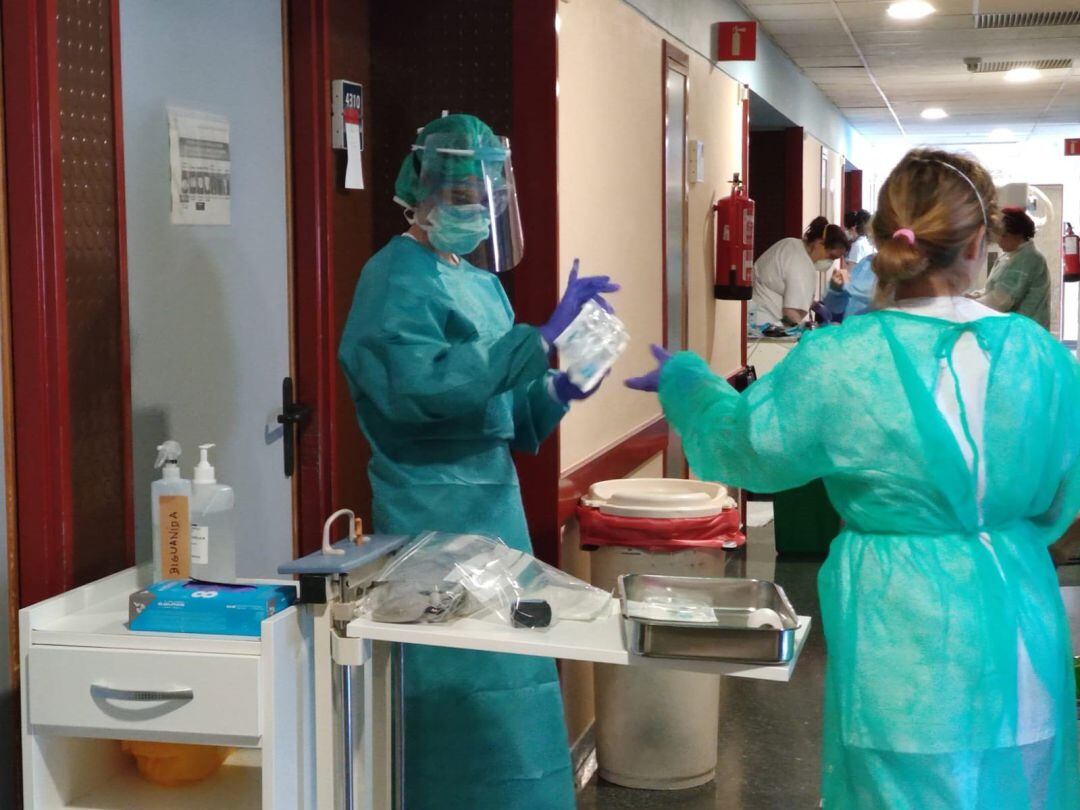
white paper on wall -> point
(199, 168)
(354, 169)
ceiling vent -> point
(977, 65)
(1027, 19)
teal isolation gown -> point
(445, 385)
(939, 573)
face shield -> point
(469, 200)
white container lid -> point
(658, 498)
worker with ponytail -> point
(948, 438)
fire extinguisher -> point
(735, 244)
(1070, 249)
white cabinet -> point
(88, 682)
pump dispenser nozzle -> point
(168, 453)
(204, 472)
(168, 460)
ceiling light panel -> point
(910, 10)
(1022, 75)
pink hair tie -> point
(907, 233)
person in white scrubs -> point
(786, 276)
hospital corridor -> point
(540, 404)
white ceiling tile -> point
(793, 11)
(920, 64)
(826, 42)
(831, 60)
(999, 6)
(779, 28)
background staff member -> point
(1020, 280)
(786, 275)
(861, 246)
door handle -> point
(293, 415)
(139, 695)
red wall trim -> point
(853, 190)
(534, 135)
(122, 282)
(793, 168)
(315, 371)
(38, 299)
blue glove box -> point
(178, 606)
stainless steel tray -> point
(707, 618)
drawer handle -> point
(140, 695)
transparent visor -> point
(459, 178)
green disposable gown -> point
(445, 385)
(929, 587)
(1020, 282)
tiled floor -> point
(770, 733)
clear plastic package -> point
(591, 344)
(493, 576)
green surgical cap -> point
(465, 132)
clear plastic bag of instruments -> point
(440, 576)
(591, 344)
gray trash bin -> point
(657, 729)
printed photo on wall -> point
(199, 168)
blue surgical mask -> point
(458, 229)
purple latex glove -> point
(650, 381)
(821, 313)
(566, 392)
(578, 292)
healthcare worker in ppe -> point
(949, 678)
(445, 386)
(1020, 280)
(854, 294)
(858, 233)
(786, 275)
(851, 289)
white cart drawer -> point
(87, 691)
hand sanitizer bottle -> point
(170, 502)
(213, 545)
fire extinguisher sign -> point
(736, 41)
(1072, 147)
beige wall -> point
(610, 152)
(610, 172)
(715, 117)
(834, 179)
(836, 188)
(813, 203)
(811, 179)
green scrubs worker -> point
(1020, 280)
(445, 385)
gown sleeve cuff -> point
(680, 379)
(538, 361)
